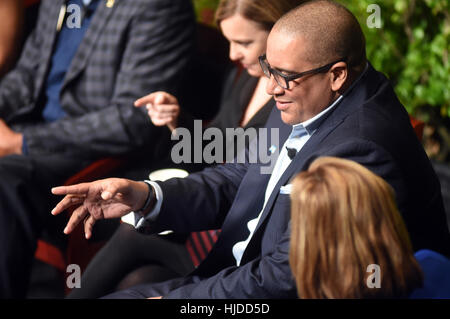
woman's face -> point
(247, 42)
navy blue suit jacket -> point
(369, 126)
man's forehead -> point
(285, 51)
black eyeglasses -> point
(282, 79)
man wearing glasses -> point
(335, 104)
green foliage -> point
(204, 8)
(411, 48)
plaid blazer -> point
(131, 48)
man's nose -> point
(273, 88)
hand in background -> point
(107, 198)
(162, 108)
(10, 141)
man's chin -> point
(287, 118)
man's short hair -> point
(331, 32)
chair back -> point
(436, 270)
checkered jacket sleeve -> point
(139, 47)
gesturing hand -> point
(107, 198)
(162, 108)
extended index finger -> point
(78, 189)
(148, 99)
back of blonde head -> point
(344, 218)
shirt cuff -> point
(154, 213)
(24, 146)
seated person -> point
(331, 102)
(69, 101)
(244, 103)
(344, 219)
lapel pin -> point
(272, 149)
(110, 3)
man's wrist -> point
(149, 203)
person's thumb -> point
(160, 98)
(109, 192)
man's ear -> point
(339, 75)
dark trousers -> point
(25, 205)
(131, 258)
(149, 290)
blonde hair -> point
(264, 12)
(344, 218)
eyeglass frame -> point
(289, 78)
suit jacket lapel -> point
(80, 59)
